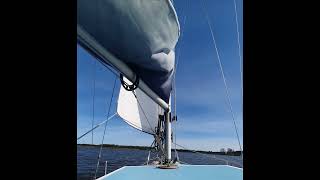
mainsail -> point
(141, 33)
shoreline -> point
(234, 153)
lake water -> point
(87, 157)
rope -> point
(148, 157)
(180, 47)
(174, 78)
(93, 97)
(240, 58)
(214, 156)
(239, 47)
(96, 126)
(94, 85)
(143, 111)
(198, 152)
(161, 149)
(184, 162)
(222, 73)
(106, 65)
(105, 127)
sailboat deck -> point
(185, 172)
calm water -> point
(117, 158)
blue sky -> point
(204, 120)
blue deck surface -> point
(185, 172)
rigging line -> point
(214, 156)
(97, 126)
(240, 57)
(105, 127)
(181, 37)
(239, 47)
(94, 89)
(222, 73)
(108, 66)
(161, 149)
(200, 153)
(93, 97)
(179, 52)
(174, 78)
(148, 157)
(184, 162)
(143, 112)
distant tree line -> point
(229, 151)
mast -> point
(168, 136)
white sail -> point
(141, 114)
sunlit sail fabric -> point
(141, 114)
(141, 33)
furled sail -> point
(141, 33)
(138, 110)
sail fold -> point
(141, 33)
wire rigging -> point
(240, 57)
(174, 78)
(96, 126)
(222, 73)
(93, 98)
(143, 112)
(239, 47)
(105, 127)
(214, 156)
